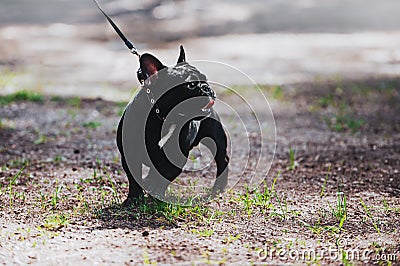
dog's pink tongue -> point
(209, 104)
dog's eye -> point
(192, 85)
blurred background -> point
(66, 47)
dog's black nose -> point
(207, 91)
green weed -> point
(204, 232)
(365, 207)
(208, 261)
(41, 138)
(114, 190)
(146, 259)
(59, 158)
(292, 159)
(341, 118)
(74, 102)
(326, 101)
(231, 238)
(91, 124)
(277, 93)
(345, 260)
(56, 196)
(283, 207)
(21, 96)
(55, 222)
(345, 122)
(12, 183)
(340, 210)
(263, 201)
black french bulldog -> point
(171, 114)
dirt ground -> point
(61, 186)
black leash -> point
(127, 42)
(134, 51)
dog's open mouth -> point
(208, 106)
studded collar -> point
(153, 103)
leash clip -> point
(135, 51)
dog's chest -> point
(157, 132)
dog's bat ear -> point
(149, 65)
(182, 56)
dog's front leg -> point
(212, 135)
(217, 146)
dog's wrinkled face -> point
(181, 87)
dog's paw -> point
(130, 201)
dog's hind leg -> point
(135, 190)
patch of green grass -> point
(74, 102)
(59, 158)
(91, 124)
(326, 101)
(203, 232)
(341, 117)
(41, 138)
(56, 98)
(158, 210)
(231, 238)
(21, 96)
(264, 198)
(263, 201)
(55, 222)
(108, 191)
(317, 228)
(344, 122)
(277, 93)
